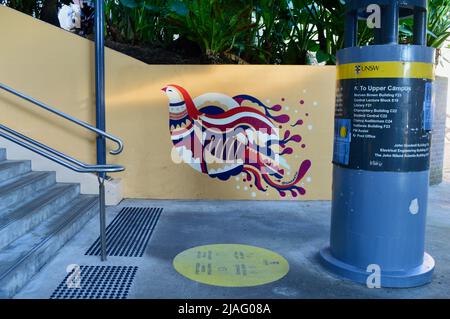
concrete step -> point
(24, 189)
(2, 154)
(24, 257)
(11, 169)
(18, 221)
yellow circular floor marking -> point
(231, 265)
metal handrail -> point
(55, 156)
(67, 117)
(66, 160)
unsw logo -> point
(370, 68)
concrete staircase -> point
(37, 217)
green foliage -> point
(438, 24)
(217, 26)
(292, 31)
(303, 31)
(328, 17)
(267, 43)
(137, 21)
(255, 31)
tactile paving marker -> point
(230, 265)
(129, 232)
(96, 282)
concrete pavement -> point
(295, 230)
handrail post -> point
(101, 196)
(100, 115)
(100, 80)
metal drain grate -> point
(129, 232)
(97, 282)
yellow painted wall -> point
(55, 66)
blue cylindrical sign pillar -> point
(381, 151)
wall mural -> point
(226, 137)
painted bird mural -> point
(223, 136)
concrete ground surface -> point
(296, 230)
